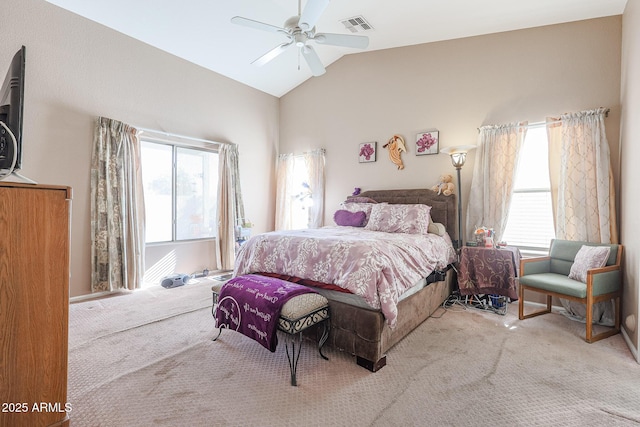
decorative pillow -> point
(437, 228)
(411, 219)
(350, 219)
(358, 207)
(586, 258)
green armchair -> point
(549, 275)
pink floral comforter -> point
(375, 265)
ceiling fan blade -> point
(311, 13)
(313, 60)
(256, 24)
(346, 40)
(271, 54)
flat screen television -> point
(11, 114)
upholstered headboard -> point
(443, 208)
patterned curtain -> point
(585, 195)
(230, 206)
(583, 190)
(493, 176)
(117, 208)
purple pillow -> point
(351, 219)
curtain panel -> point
(315, 162)
(284, 191)
(117, 208)
(494, 173)
(583, 191)
(581, 177)
(291, 178)
(230, 210)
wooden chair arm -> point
(606, 268)
(599, 270)
(534, 259)
(525, 261)
(608, 278)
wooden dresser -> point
(34, 304)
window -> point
(530, 223)
(302, 198)
(300, 190)
(180, 191)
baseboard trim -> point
(81, 298)
(627, 339)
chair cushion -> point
(302, 305)
(588, 257)
(554, 282)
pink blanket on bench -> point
(251, 305)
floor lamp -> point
(458, 157)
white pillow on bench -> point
(588, 257)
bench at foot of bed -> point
(297, 315)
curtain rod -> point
(316, 150)
(188, 138)
(538, 124)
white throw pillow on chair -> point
(588, 257)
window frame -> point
(528, 249)
(209, 147)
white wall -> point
(453, 86)
(77, 70)
(630, 173)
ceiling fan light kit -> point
(300, 30)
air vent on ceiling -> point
(357, 24)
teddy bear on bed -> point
(445, 186)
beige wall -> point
(454, 86)
(630, 173)
(78, 70)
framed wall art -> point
(367, 152)
(427, 142)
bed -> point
(380, 285)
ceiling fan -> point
(300, 30)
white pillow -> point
(588, 257)
(437, 228)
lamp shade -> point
(458, 154)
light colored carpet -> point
(147, 359)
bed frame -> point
(363, 332)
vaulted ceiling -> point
(201, 31)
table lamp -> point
(458, 157)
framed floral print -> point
(427, 142)
(367, 152)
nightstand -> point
(489, 271)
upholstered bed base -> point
(364, 333)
